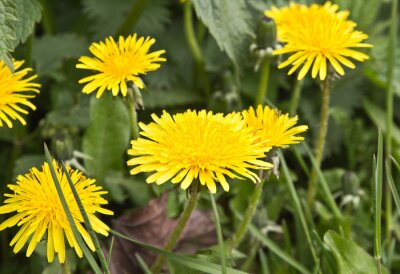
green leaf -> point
(229, 23)
(63, 46)
(377, 115)
(107, 138)
(8, 19)
(350, 257)
(26, 162)
(170, 98)
(29, 13)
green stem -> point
(248, 216)
(294, 101)
(174, 237)
(65, 268)
(133, 114)
(47, 18)
(133, 17)
(219, 234)
(297, 205)
(263, 84)
(391, 63)
(319, 149)
(194, 47)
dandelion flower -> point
(192, 145)
(119, 63)
(38, 210)
(277, 130)
(14, 93)
(317, 35)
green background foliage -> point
(220, 76)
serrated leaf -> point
(350, 257)
(229, 23)
(107, 137)
(174, 97)
(29, 13)
(8, 20)
(63, 46)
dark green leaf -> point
(29, 13)
(350, 257)
(8, 19)
(229, 23)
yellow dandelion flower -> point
(119, 63)
(14, 93)
(275, 129)
(317, 35)
(38, 210)
(192, 145)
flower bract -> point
(38, 211)
(197, 145)
(117, 63)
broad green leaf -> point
(8, 20)
(377, 115)
(350, 257)
(229, 23)
(63, 46)
(106, 139)
(26, 162)
(29, 13)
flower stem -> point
(248, 216)
(194, 47)
(263, 84)
(133, 114)
(174, 237)
(294, 101)
(133, 17)
(319, 149)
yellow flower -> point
(317, 35)
(192, 145)
(275, 129)
(14, 93)
(119, 63)
(38, 210)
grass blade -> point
(273, 247)
(143, 265)
(324, 185)
(187, 261)
(88, 225)
(392, 186)
(297, 204)
(378, 174)
(219, 235)
(75, 231)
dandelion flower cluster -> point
(275, 129)
(315, 36)
(118, 63)
(38, 210)
(202, 145)
(15, 88)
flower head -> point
(275, 129)
(316, 35)
(119, 62)
(38, 210)
(192, 145)
(14, 96)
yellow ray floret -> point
(275, 129)
(117, 63)
(38, 210)
(16, 90)
(197, 145)
(316, 36)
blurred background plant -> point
(212, 63)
